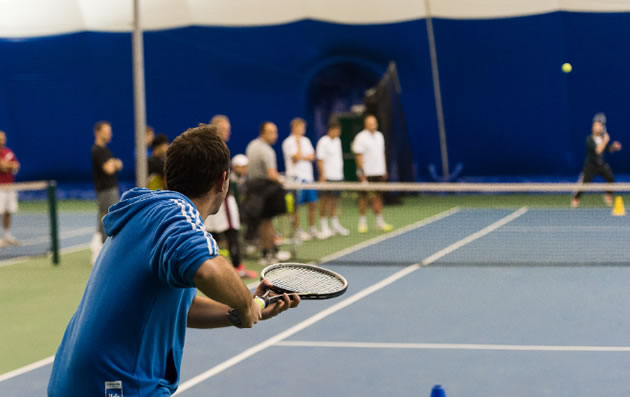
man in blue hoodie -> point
(127, 335)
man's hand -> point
(119, 164)
(287, 302)
(615, 146)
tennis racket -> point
(308, 281)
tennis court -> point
(461, 163)
(468, 302)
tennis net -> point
(33, 220)
(467, 224)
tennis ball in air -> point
(566, 67)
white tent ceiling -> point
(28, 18)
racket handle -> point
(262, 301)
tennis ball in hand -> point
(566, 67)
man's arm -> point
(217, 279)
(112, 166)
(207, 313)
(320, 170)
(272, 173)
(602, 146)
(359, 160)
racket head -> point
(308, 281)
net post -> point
(54, 229)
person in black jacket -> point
(596, 144)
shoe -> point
(324, 234)
(243, 272)
(385, 227)
(250, 249)
(340, 230)
(266, 260)
(575, 203)
(303, 236)
(282, 256)
(9, 239)
(608, 200)
(363, 229)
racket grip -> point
(235, 317)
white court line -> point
(28, 368)
(455, 346)
(378, 239)
(70, 233)
(66, 250)
(253, 284)
(389, 235)
(344, 303)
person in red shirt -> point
(9, 166)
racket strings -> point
(303, 280)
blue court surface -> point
(484, 302)
(33, 233)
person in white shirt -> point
(369, 150)
(330, 167)
(298, 160)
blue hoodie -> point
(127, 335)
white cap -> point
(240, 160)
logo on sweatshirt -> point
(114, 389)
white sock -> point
(324, 223)
(379, 220)
(362, 220)
(335, 221)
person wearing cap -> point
(597, 143)
(225, 225)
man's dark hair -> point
(160, 139)
(100, 124)
(263, 125)
(333, 124)
(195, 161)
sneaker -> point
(266, 260)
(250, 249)
(243, 272)
(385, 227)
(282, 256)
(342, 231)
(324, 234)
(575, 203)
(363, 229)
(608, 200)
(9, 239)
(303, 236)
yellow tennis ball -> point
(566, 67)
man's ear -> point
(221, 182)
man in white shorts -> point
(9, 166)
(298, 161)
(369, 149)
(330, 167)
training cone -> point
(618, 208)
(438, 391)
